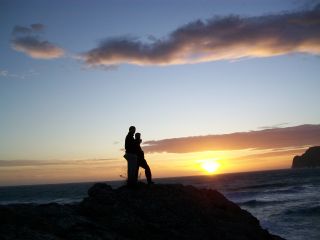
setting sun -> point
(210, 165)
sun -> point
(210, 165)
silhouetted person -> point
(141, 160)
(131, 157)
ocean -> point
(286, 202)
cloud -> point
(3, 73)
(36, 48)
(23, 75)
(272, 154)
(37, 163)
(298, 136)
(24, 39)
(36, 27)
(274, 126)
(219, 38)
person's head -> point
(132, 129)
(137, 136)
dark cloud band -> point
(298, 136)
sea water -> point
(286, 202)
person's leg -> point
(132, 167)
(136, 173)
(147, 170)
(132, 177)
(148, 174)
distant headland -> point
(310, 159)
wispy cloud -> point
(33, 28)
(219, 38)
(298, 136)
(37, 163)
(23, 75)
(274, 126)
(28, 41)
(3, 73)
(272, 154)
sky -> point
(229, 84)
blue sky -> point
(61, 108)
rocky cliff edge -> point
(160, 211)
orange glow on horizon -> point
(161, 164)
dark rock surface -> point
(310, 159)
(148, 212)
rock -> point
(99, 188)
(310, 159)
(160, 211)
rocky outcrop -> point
(310, 159)
(147, 212)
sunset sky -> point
(234, 84)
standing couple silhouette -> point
(135, 157)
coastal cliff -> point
(160, 211)
(310, 159)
